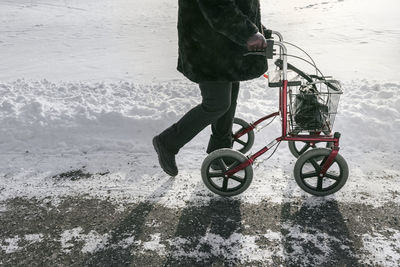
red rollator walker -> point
(307, 109)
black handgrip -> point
(269, 51)
(268, 34)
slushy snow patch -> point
(91, 241)
(154, 244)
(382, 249)
(11, 245)
(34, 238)
(235, 248)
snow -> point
(237, 247)
(67, 236)
(65, 116)
(91, 241)
(350, 39)
(88, 40)
(315, 240)
(154, 244)
(382, 249)
(34, 238)
(12, 245)
(85, 85)
(50, 128)
(126, 242)
(95, 40)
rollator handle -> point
(268, 52)
(268, 34)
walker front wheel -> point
(308, 167)
(244, 142)
(217, 180)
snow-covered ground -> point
(85, 85)
(92, 40)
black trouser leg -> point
(222, 128)
(216, 102)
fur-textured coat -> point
(212, 40)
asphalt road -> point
(224, 232)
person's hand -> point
(256, 42)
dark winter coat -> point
(212, 40)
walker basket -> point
(313, 105)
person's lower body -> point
(217, 108)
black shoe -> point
(165, 158)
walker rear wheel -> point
(246, 141)
(217, 181)
(298, 147)
(307, 169)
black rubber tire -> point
(242, 145)
(315, 158)
(297, 152)
(242, 179)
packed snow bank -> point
(47, 117)
(43, 116)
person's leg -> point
(216, 102)
(221, 129)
